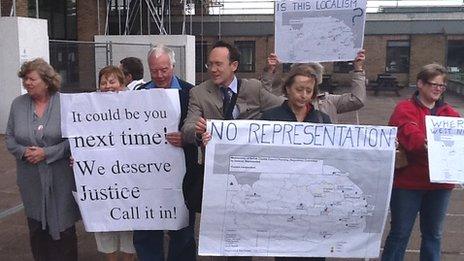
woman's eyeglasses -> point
(437, 85)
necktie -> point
(227, 95)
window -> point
(343, 67)
(201, 56)
(247, 56)
(60, 15)
(286, 67)
(455, 56)
(397, 57)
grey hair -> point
(317, 67)
(162, 49)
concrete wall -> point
(21, 39)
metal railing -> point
(78, 62)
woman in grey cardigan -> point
(44, 177)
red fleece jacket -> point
(409, 117)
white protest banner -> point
(319, 30)
(445, 143)
(128, 177)
(296, 189)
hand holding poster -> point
(296, 189)
(128, 177)
(445, 143)
(319, 30)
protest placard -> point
(445, 146)
(296, 189)
(319, 30)
(128, 177)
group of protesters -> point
(46, 181)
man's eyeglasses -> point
(437, 85)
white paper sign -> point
(296, 189)
(319, 30)
(445, 143)
(128, 177)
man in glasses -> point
(222, 97)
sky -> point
(267, 6)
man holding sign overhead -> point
(331, 104)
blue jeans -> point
(404, 206)
(182, 247)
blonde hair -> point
(46, 72)
(301, 70)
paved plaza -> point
(14, 243)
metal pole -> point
(183, 17)
(140, 16)
(191, 15)
(98, 16)
(36, 8)
(219, 24)
(119, 16)
(107, 15)
(14, 8)
(111, 53)
(126, 26)
(169, 15)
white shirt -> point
(135, 83)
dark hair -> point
(46, 72)
(110, 69)
(234, 53)
(301, 70)
(132, 66)
(430, 71)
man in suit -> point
(149, 243)
(247, 98)
(225, 96)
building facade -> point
(397, 41)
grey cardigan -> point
(46, 188)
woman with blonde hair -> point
(44, 177)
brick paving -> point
(14, 240)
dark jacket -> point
(409, 117)
(284, 113)
(190, 150)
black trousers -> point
(44, 248)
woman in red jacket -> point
(412, 190)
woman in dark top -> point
(300, 88)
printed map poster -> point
(445, 143)
(319, 30)
(296, 189)
(128, 177)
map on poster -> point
(319, 30)
(445, 143)
(296, 189)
